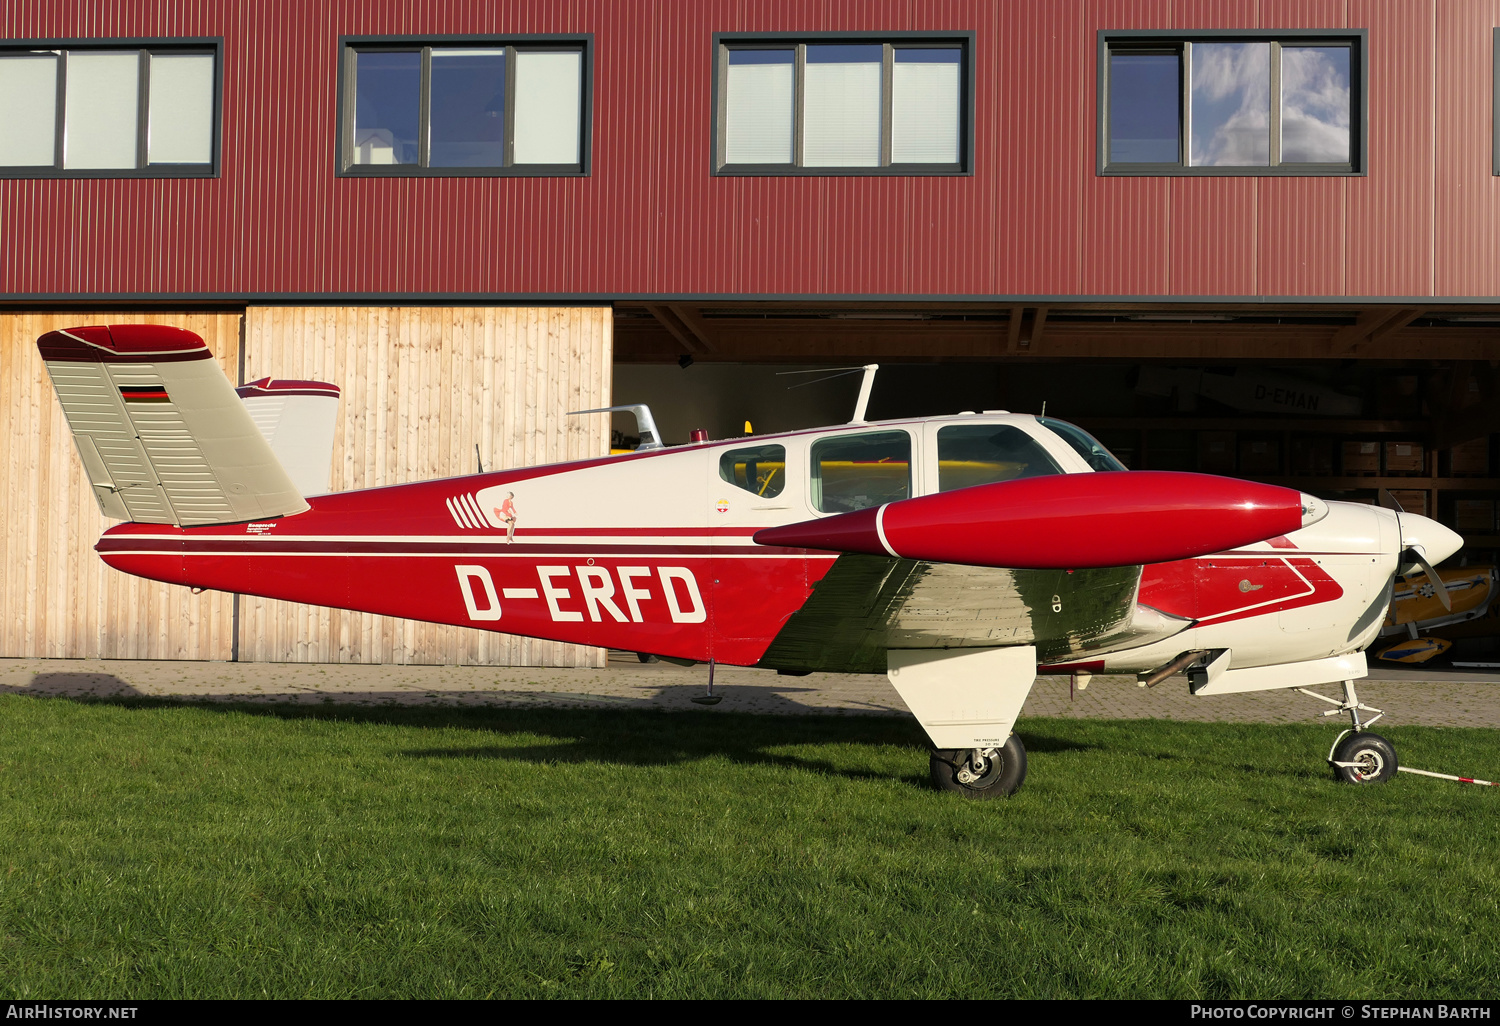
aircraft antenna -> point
(477, 461)
(645, 424)
(862, 403)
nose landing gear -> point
(1358, 756)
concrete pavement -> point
(1432, 698)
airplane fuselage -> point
(654, 552)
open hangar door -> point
(1360, 404)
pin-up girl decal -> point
(507, 511)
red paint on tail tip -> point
(1072, 521)
(121, 343)
(287, 386)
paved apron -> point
(1435, 698)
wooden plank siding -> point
(57, 598)
(421, 387)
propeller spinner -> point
(1424, 542)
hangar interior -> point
(1341, 402)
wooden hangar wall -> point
(422, 386)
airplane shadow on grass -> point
(651, 739)
(631, 734)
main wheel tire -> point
(646, 657)
(1002, 777)
(1374, 755)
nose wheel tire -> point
(980, 772)
(1363, 758)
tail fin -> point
(162, 435)
(298, 420)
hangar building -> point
(1256, 237)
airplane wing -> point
(866, 604)
(1053, 562)
(162, 435)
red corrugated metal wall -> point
(1033, 220)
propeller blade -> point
(1438, 587)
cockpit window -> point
(756, 468)
(1083, 443)
(975, 454)
(852, 472)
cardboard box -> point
(1474, 515)
(1216, 452)
(1470, 459)
(1412, 500)
(1405, 458)
(1312, 457)
(1361, 458)
(1260, 456)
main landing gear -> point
(980, 772)
(1357, 755)
(967, 700)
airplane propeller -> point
(1438, 587)
(1411, 555)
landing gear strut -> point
(980, 772)
(1358, 756)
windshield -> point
(974, 454)
(1083, 443)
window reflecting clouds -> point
(1219, 105)
(1231, 104)
(1315, 104)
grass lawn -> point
(154, 849)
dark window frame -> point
(344, 167)
(1495, 106)
(1359, 85)
(145, 46)
(723, 42)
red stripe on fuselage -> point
(269, 545)
(397, 552)
(1233, 586)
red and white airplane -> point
(958, 555)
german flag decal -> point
(144, 394)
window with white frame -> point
(815, 105)
(465, 107)
(105, 109)
(1258, 103)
